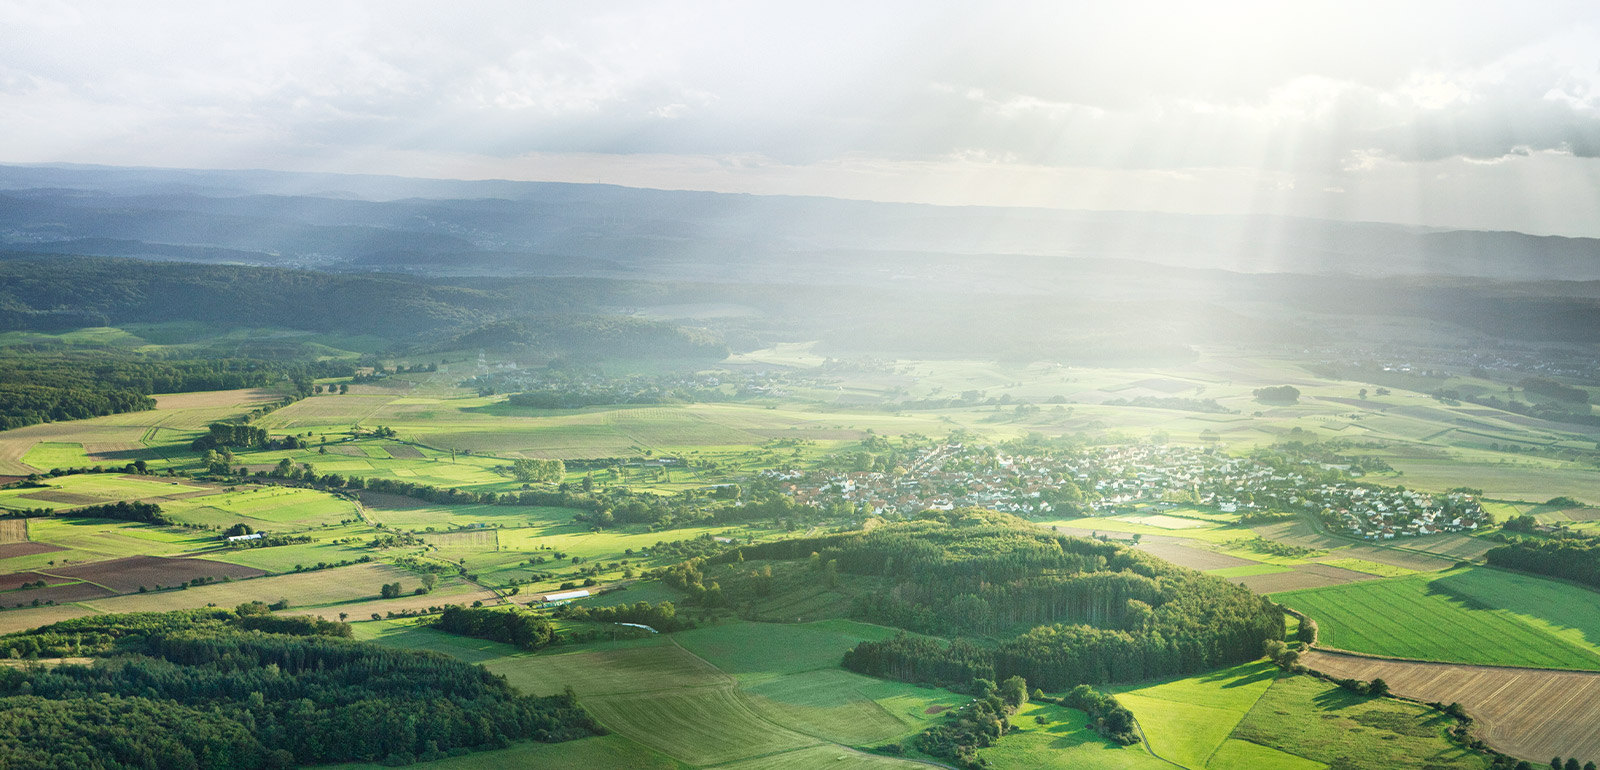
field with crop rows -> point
(1477, 615)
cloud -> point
(1247, 96)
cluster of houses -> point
(1379, 513)
(601, 388)
(1113, 479)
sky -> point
(1467, 113)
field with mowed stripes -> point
(1475, 615)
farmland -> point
(1521, 712)
(1476, 615)
(718, 694)
(1320, 722)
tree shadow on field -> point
(1467, 586)
(1258, 672)
(1337, 698)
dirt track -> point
(1527, 713)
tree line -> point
(523, 629)
(1572, 558)
(124, 510)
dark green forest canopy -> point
(220, 689)
(1058, 611)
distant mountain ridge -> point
(443, 227)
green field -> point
(1474, 615)
(703, 726)
(1063, 742)
(1187, 720)
(779, 701)
(745, 649)
(57, 455)
(1332, 726)
(66, 492)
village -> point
(1121, 479)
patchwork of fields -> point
(753, 696)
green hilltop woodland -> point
(224, 689)
(1057, 611)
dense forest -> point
(1058, 611)
(234, 689)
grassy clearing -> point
(414, 634)
(53, 454)
(649, 665)
(1327, 724)
(1475, 615)
(1062, 741)
(746, 649)
(1187, 720)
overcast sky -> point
(1462, 113)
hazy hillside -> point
(464, 228)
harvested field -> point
(439, 598)
(1527, 713)
(128, 574)
(359, 582)
(13, 531)
(483, 539)
(215, 398)
(404, 452)
(33, 617)
(9, 550)
(59, 594)
(1274, 582)
(1191, 557)
(13, 581)
(59, 496)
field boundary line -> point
(1397, 659)
(1145, 739)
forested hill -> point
(1058, 611)
(56, 293)
(245, 690)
